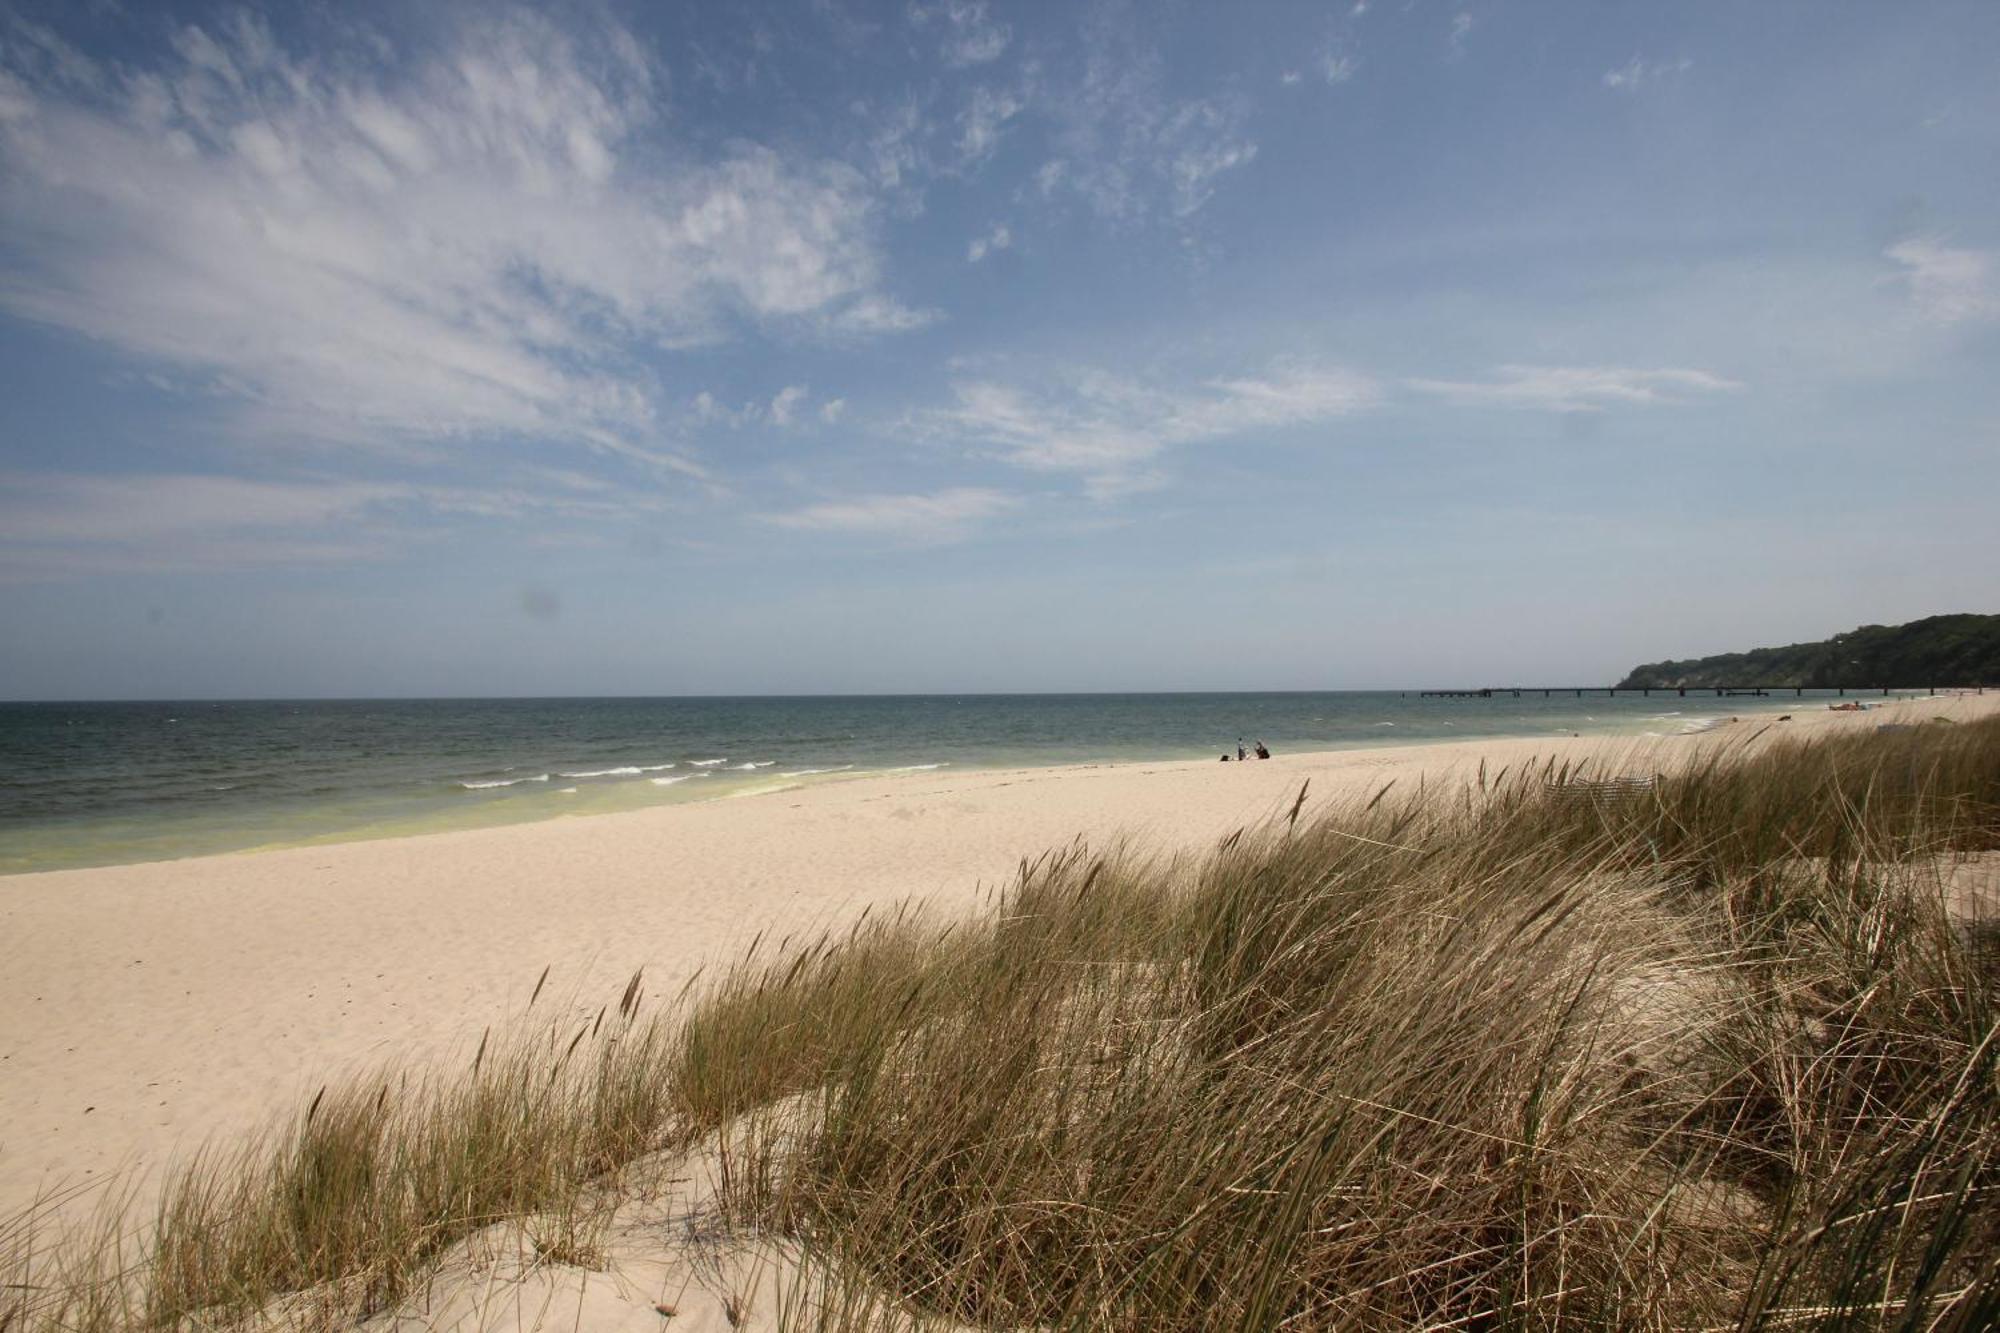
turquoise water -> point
(105, 783)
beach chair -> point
(1607, 797)
(1600, 793)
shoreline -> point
(363, 811)
(151, 1006)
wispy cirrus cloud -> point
(469, 241)
(983, 121)
(56, 525)
(1109, 129)
(1947, 284)
(790, 406)
(1127, 147)
(968, 34)
(995, 239)
(60, 509)
(1636, 73)
(940, 516)
(785, 404)
(1577, 388)
(1110, 429)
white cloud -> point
(785, 405)
(1337, 68)
(1201, 156)
(42, 51)
(969, 36)
(785, 408)
(999, 238)
(832, 410)
(893, 149)
(947, 515)
(708, 410)
(1577, 388)
(469, 244)
(1110, 428)
(60, 525)
(1947, 284)
(983, 121)
(869, 315)
(1288, 395)
(1461, 28)
(51, 509)
(1636, 73)
(1290, 78)
(1125, 147)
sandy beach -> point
(148, 1008)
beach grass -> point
(342, 1207)
(1713, 1050)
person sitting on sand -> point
(1225, 756)
(1262, 753)
(1240, 755)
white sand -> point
(146, 1008)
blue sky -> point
(639, 349)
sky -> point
(599, 348)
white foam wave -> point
(502, 782)
(917, 768)
(708, 763)
(1376, 724)
(809, 772)
(678, 777)
(622, 771)
(565, 791)
(762, 763)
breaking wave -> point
(503, 782)
(623, 771)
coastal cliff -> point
(1938, 650)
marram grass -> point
(1715, 1055)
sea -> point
(84, 784)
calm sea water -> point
(96, 784)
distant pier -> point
(1682, 691)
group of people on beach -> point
(1261, 752)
